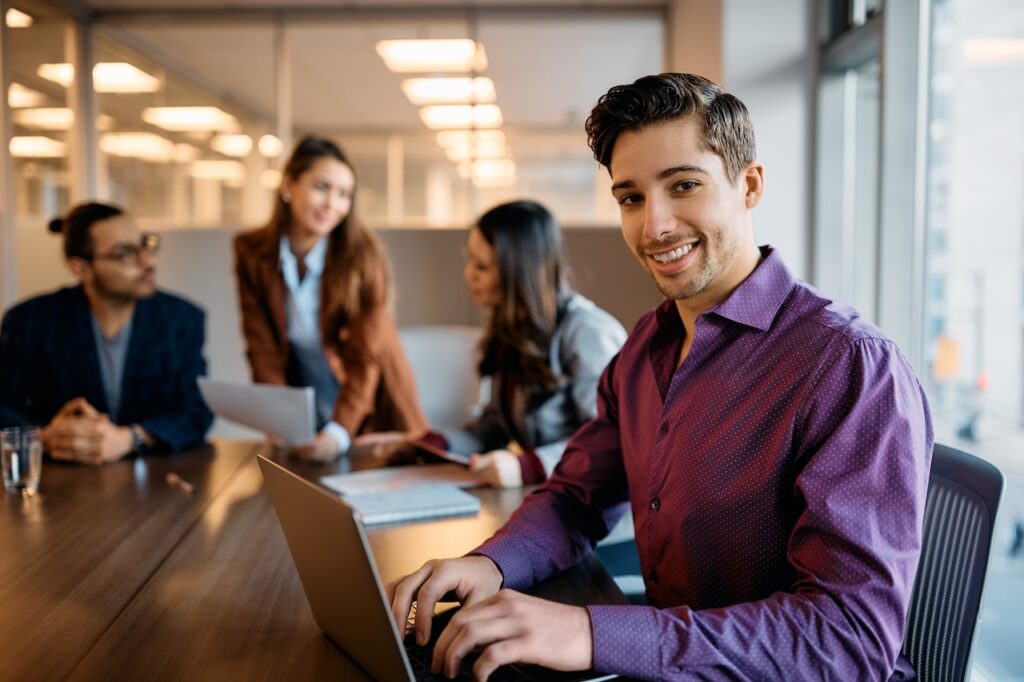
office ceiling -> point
(549, 60)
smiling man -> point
(108, 367)
(773, 446)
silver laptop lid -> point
(333, 560)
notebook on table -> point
(344, 589)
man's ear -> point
(753, 183)
(80, 268)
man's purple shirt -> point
(777, 480)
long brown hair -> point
(528, 245)
(356, 276)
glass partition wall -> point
(194, 114)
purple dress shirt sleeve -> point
(862, 445)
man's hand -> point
(323, 449)
(80, 433)
(512, 627)
(471, 578)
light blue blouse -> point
(302, 316)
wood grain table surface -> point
(111, 573)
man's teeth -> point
(674, 254)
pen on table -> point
(176, 481)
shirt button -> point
(655, 504)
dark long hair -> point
(528, 245)
(356, 274)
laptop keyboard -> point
(420, 657)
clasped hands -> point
(504, 625)
(81, 433)
(498, 468)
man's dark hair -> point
(725, 121)
(76, 227)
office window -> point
(847, 182)
(974, 263)
(42, 120)
(181, 110)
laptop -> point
(345, 592)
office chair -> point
(444, 360)
(963, 494)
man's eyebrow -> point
(667, 173)
(685, 168)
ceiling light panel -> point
(440, 116)
(107, 77)
(17, 19)
(138, 145)
(462, 90)
(21, 97)
(447, 138)
(232, 145)
(456, 55)
(37, 147)
(183, 119)
(45, 118)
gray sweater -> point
(584, 342)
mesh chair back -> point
(963, 494)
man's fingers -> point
(402, 594)
(473, 634)
(496, 655)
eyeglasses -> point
(130, 254)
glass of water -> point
(21, 450)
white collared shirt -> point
(302, 316)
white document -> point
(282, 411)
(392, 479)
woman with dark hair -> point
(314, 288)
(544, 349)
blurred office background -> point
(892, 133)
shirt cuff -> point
(340, 435)
(512, 561)
(627, 641)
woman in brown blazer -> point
(314, 287)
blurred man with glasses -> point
(108, 368)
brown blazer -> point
(377, 387)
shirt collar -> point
(754, 303)
(314, 260)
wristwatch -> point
(138, 442)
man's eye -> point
(686, 185)
(628, 199)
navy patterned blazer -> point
(48, 356)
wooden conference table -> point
(112, 573)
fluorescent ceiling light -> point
(270, 178)
(456, 55)
(37, 147)
(447, 138)
(481, 150)
(62, 74)
(271, 146)
(105, 122)
(107, 77)
(18, 19)
(422, 91)
(45, 118)
(20, 97)
(232, 145)
(489, 173)
(461, 116)
(228, 171)
(181, 119)
(146, 146)
(994, 51)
